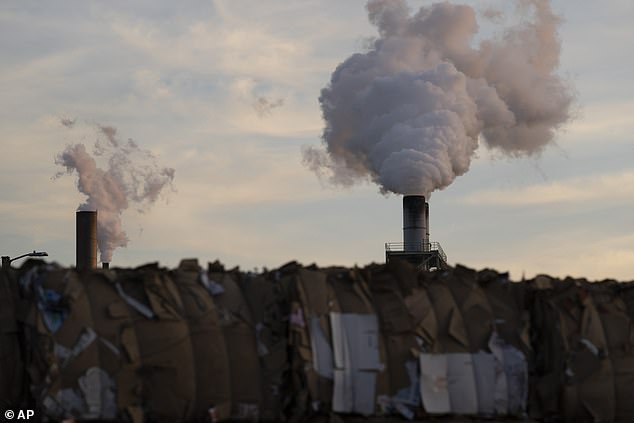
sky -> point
(226, 94)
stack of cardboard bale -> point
(137, 345)
(584, 350)
(12, 376)
(146, 344)
(338, 349)
(384, 342)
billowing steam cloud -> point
(409, 113)
(132, 177)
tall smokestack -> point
(86, 240)
(415, 223)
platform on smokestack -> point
(416, 247)
(428, 256)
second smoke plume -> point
(130, 175)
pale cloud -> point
(577, 253)
(38, 70)
(36, 208)
(612, 187)
(273, 186)
(286, 121)
(205, 47)
(273, 111)
(603, 122)
(246, 174)
(149, 84)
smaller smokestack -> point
(415, 230)
(105, 265)
(86, 240)
(426, 238)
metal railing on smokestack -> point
(416, 246)
(424, 247)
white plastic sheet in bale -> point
(322, 351)
(94, 400)
(461, 382)
(512, 385)
(501, 383)
(482, 383)
(355, 339)
(448, 383)
(408, 399)
(484, 368)
(433, 383)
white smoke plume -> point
(131, 176)
(409, 113)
